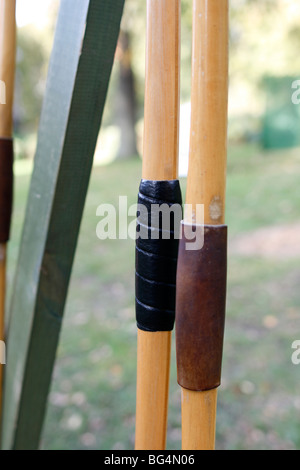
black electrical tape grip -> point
(156, 254)
(6, 188)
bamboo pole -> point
(207, 174)
(7, 63)
(198, 419)
(154, 353)
(160, 163)
(208, 141)
(7, 75)
(161, 130)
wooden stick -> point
(154, 352)
(7, 63)
(207, 173)
(7, 75)
(160, 163)
(208, 142)
(161, 131)
(198, 419)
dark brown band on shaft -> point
(6, 188)
(200, 310)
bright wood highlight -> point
(208, 142)
(207, 173)
(198, 419)
(7, 64)
(153, 370)
(161, 131)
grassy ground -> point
(92, 401)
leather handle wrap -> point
(6, 188)
(200, 310)
(156, 254)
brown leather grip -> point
(200, 310)
(6, 188)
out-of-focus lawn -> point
(92, 401)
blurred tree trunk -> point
(126, 99)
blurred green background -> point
(92, 400)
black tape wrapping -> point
(6, 188)
(156, 256)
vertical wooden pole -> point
(199, 411)
(207, 174)
(208, 141)
(161, 129)
(160, 163)
(7, 76)
(153, 370)
(7, 64)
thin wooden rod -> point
(198, 419)
(153, 371)
(207, 173)
(208, 141)
(7, 64)
(161, 130)
(160, 163)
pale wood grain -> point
(161, 131)
(198, 419)
(153, 370)
(208, 141)
(7, 63)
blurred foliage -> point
(264, 41)
(33, 52)
(282, 118)
(29, 95)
